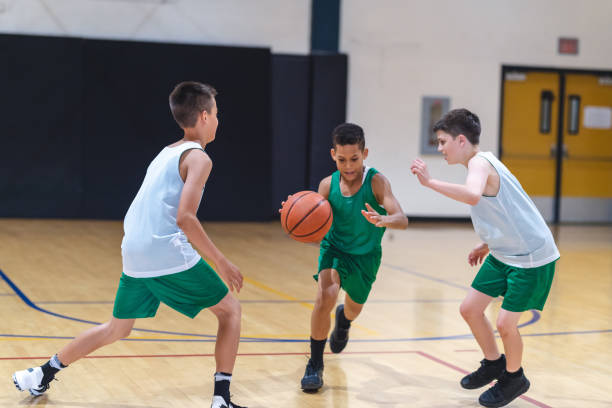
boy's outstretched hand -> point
(373, 216)
(419, 168)
(477, 254)
(231, 274)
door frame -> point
(560, 118)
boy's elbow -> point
(473, 199)
(183, 220)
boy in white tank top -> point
(159, 262)
(522, 257)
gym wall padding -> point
(82, 119)
(128, 84)
(41, 125)
(327, 110)
(290, 118)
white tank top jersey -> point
(511, 225)
(153, 244)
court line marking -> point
(535, 317)
(418, 352)
(285, 296)
(249, 301)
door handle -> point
(564, 152)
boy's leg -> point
(327, 295)
(507, 326)
(472, 310)
(94, 338)
(228, 312)
(345, 314)
(512, 383)
(491, 367)
(36, 380)
(320, 323)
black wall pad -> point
(327, 110)
(40, 126)
(127, 86)
(290, 116)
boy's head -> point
(458, 133)
(460, 122)
(349, 150)
(191, 101)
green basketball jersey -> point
(350, 231)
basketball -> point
(306, 216)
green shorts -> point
(187, 292)
(522, 288)
(357, 272)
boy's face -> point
(349, 160)
(450, 147)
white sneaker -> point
(31, 380)
(219, 402)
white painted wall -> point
(402, 50)
(281, 25)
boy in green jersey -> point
(363, 206)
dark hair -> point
(188, 100)
(460, 122)
(348, 134)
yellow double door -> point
(557, 139)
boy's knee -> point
(505, 328)
(116, 332)
(468, 311)
(230, 309)
(327, 299)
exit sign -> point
(568, 46)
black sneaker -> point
(219, 402)
(488, 371)
(313, 377)
(504, 391)
(339, 337)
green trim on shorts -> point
(522, 288)
(357, 272)
(187, 292)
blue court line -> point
(370, 301)
(270, 340)
(424, 276)
(534, 318)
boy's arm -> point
(469, 193)
(324, 187)
(395, 217)
(196, 165)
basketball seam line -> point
(306, 216)
(290, 208)
(318, 229)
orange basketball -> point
(306, 216)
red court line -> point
(212, 355)
(461, 370)
(421, 353)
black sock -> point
(515, 374)
(48, 372)
(343, 322)
(498, 361)
(222, 385)
(316, 351)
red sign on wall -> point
(568, 46)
